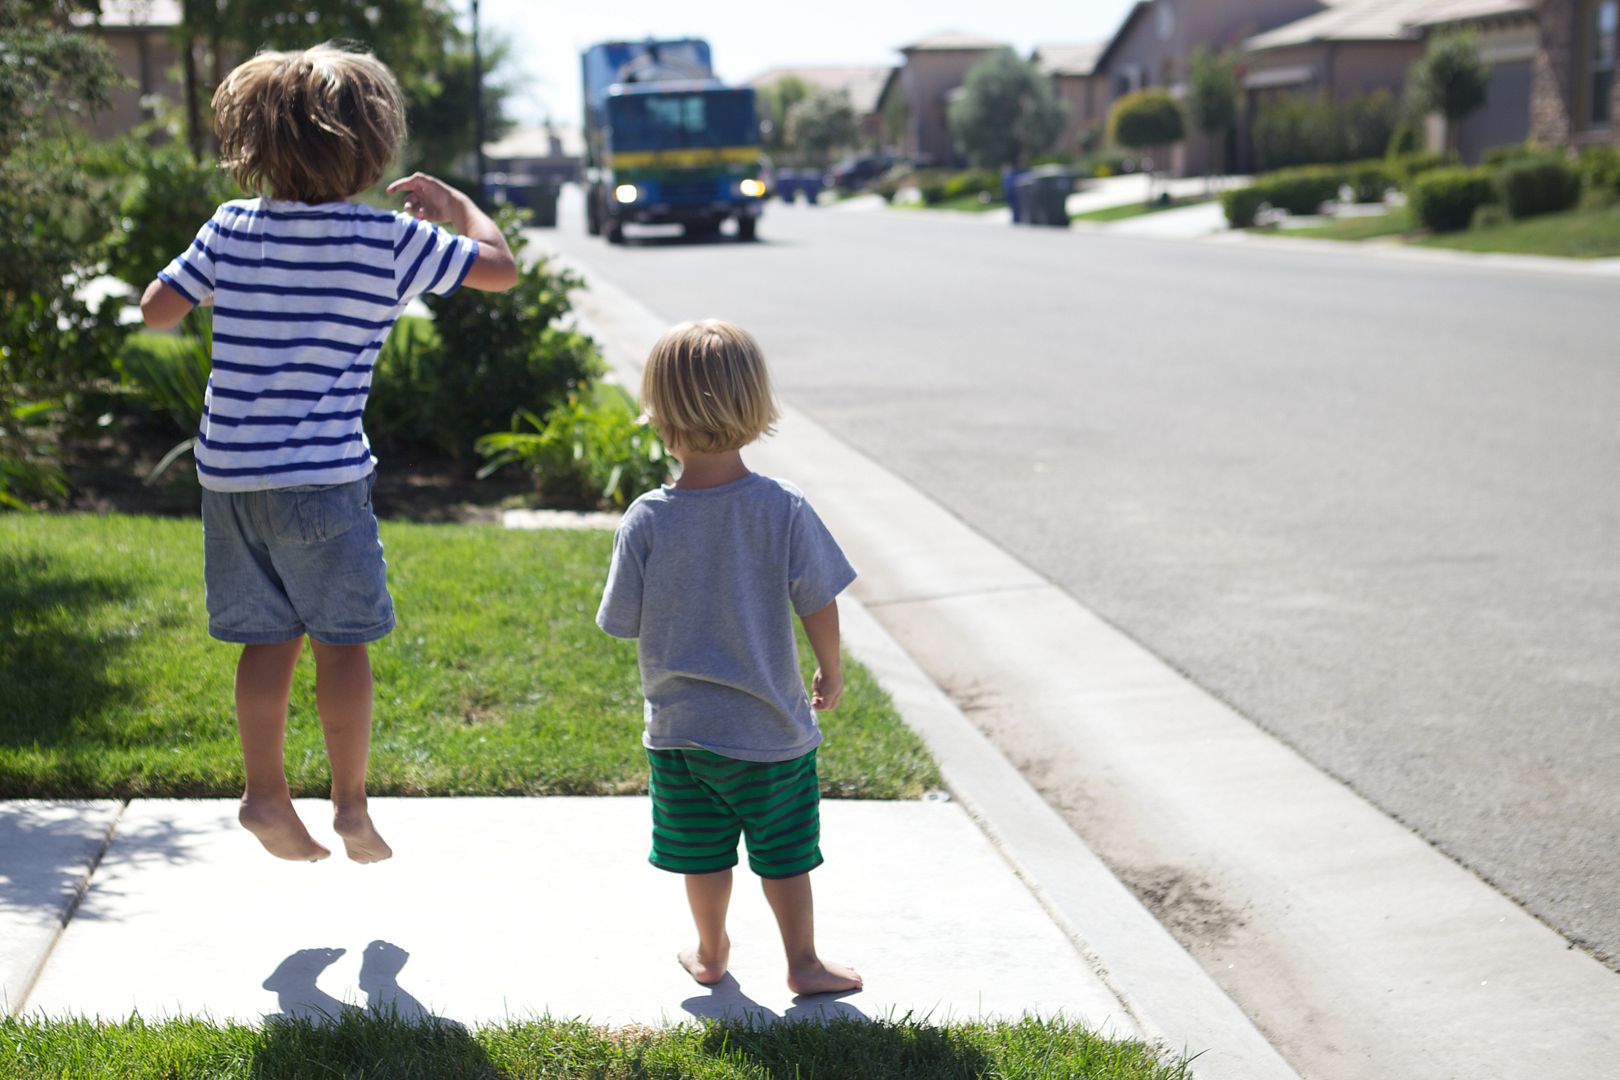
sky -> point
(748, 38)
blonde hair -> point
(319, 125)
(705, 387)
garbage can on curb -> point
(1048, 196)
(541, 199)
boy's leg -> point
(790, 900)
(709, 896)
(263, 683)
(343, 697)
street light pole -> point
(478, 102)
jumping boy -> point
(707, 574)
(305, 286)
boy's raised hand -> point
(427, 198)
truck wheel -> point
(615, 232)
(746, 227)
(593, 216)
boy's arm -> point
(821, 627)
(163, 306)
(430, 199)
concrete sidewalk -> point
(509, 908)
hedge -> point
(1543, 185)
(1444, 200)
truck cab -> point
(667, 142)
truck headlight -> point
(626, 193)
(752, 188)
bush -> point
(168, 199)
(171, 372)
(1498, 156)
(1369, 181)
(491, 353)
(930, 184)
(889, 184)
(592, 450)
(1145, 119)
(1301, 191)
(973, 182)
(1544, 185)
(1600, 165)
(1408, 167)
(1299, 129)
(1241, 206)
(1445, 200)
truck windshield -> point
(668, 121)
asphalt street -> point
(1372, 504)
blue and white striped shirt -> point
(304, 296)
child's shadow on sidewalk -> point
(299, 998)
(726, 1001)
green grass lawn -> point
(496, 682)
(358, 1046)
(1135, 209)
(1592, 233)
(967, 203)
(1576, 234)
(1395, 223)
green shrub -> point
(591, 450)
(1241, 206)
(1601, 167)
(1543, 185)
(1302, 129)
(1406, 168)
(490, 354)
(1302, 190)
(1369, 180)
(972, 182)
(29, 472)
(171, 372)
(889, 184)
(930, 184)
(168, 199)
(1498, 156)
(1445, 200)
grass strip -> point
(1136, 209)
(1369, 227)
(1574, 234)
(497, 681)
(361, 1045)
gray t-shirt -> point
(708, 580)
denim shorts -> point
(291, 561)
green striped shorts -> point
(702, 802)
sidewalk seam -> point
(70, 909)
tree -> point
(1145, 120)
(55, 216)
(896, 118)
(419, 40)
(1006, 113)
(1451, 80)
(774, 101)
(1214, 93)
(821, 125)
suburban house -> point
(1356, 47)
(1575, 97)
(552, 153)
(1084, 93)
(1154, 44)
(863, 85)
(933, 71)
(140, 36)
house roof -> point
(1068, 59)
(952, 41)
(126, 14)
(1125, 25)
(1380, 20)
(864, 85)
(1446, 12)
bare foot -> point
(360, 837)
(278, 828)
(706, 970)
(823, 978)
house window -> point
(1603, 19)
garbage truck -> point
(666, 142)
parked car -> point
(856, 171)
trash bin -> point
(787, 184)
(541, 199)
(1010, 192)
(810, 185)
(1048, 194)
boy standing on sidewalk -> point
(707, 575)
(305, 286)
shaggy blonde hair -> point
(319, 125)
(705, 387)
